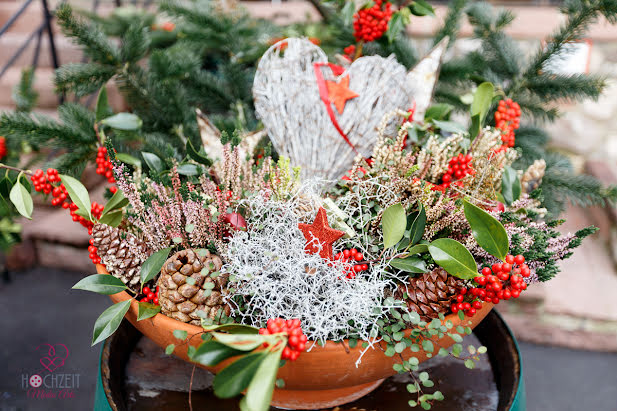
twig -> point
(19, 170)
(191, 388)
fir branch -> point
(39, 130)
(135, 44)
(82, 79)
(576, 87)
(95, 43)
(79, 119)
(24, 95)
(452, 22)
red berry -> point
(510, 259)
(519, 259)
(486, 271)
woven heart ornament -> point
(322, 116)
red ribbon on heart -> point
(323, 93)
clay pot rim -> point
(192, 330)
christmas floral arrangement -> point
(367, 226)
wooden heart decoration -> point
(324, 141)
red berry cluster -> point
(507, 119)
(352, 258)
(103, 165)
(296, 340)
(3, 150)
(43, 182)
(350, 52)
(458, 167)
(151, 296)
(501, 281)
(93, 255)
(372, 22)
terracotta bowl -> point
(321, 378)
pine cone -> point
(532, 177)
(182, 300)
(122, 253)
(430, 294)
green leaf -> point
(421, 8)
(482, 100)
(427, 346)
(510, 185)
(5, 187)
(112, 219)
(418, 249)
(188, 170)
(418, 225)
(213, 352)
(102, 110)
(101, 283)
(196, 155)
(109, 321)
(232, 328)
(170, 349)
(475, 126)
(453, 257)
(482, 350)
(423, 376)
(390, 351)
(153, 161)
(438, 111)
(152, 266)
(438, 396)
(259, 392)
(393, 223)
(400, 347)
(147, 310)
(117, 201)
(487, 230)
(410, 264)
(242, 342)
(128, 159)
(470, 364)
(234, 379)
(123, 121)
(22, 200)
(78, 193)
(449, 126)
(180, 334)
(395, 26)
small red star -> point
(339, 93)
(324, 234)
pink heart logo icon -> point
(56, 355)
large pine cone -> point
(182, 300)
(430, 294)
(122, 253)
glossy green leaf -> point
(453, 257)
(128, 159)
(112, 219)
(188, 170)
(234, 379)
(213, 352)
(153, 161)
(347, 12)
(395, 26)
(101, 283)
(510, 185)
(438, 111)
(109, 321)
(482, 100)
(421, 8)
(475, 126)
(152, 266)
(232, 328)
(147, 310)
(242, 342)
(5, 187)
(449, 126)
(418, 226)
(418, 249)
(170, 349)
(410, 264)
(180, 334)
(488, 232)
(393, 223)
(22, 200)
(123, 121)
(102, 110)
(116, 202)
(197, 155)
(259, 392)
(78, 193)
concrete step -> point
(43, 84)
(65, 50)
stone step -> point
(65, 50)
(43, 84)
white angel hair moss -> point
(278, 278)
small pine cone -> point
(532, 177)
(183, 300)
(430, 294)
(122, 253)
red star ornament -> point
(339, 93)
(324, 234)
